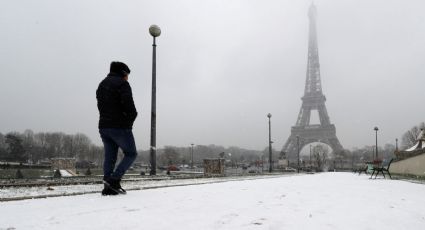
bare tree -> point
(81, 146)
(320, 156)
(15, 147)
(55, 145)
(28, 143)
(388, 152)
(3, 152)
(409, 137)
(96, 155)
(169, 156)
(41, 143)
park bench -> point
(368, 166)
(382, 170)
(363, 169)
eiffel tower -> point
(313, 100)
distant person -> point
(117, 115)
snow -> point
(65, 173)
(413, 147)
(142, 183)
(319, 201)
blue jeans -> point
(112, 140)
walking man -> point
(117, 115)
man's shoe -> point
(107, 191)
(114, 185)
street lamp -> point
(376, 146)
(310, 155)
(298, 160)
(155, 31)
(262, 163)
(270, 143)
(191, 161)
(396, 144)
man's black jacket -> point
(115, 103)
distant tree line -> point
(30, 147)
(367, 153)
(172, 155)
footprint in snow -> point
(225, 219)
(259, 221)
(132, 210)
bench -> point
(363, 169)
(382, 170)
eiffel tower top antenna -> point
(312, 11)
(313, 86)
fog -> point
(222, 65)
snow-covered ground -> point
(134, 184)
(320, 201)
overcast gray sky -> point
(222, 66)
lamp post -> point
(155, 31)
(262, 163)
(376, 146)
(270, 144)
(298, 155)
(191, 157)
(396, 144)
(310, 155)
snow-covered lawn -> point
(320, 201)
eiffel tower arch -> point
(313, 100)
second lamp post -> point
(191, 157)
(376, 144)
(270, 144)
(155, 31)
(298, 154)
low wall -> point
(63, 163)
(410, 166)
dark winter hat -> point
(119, 68)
